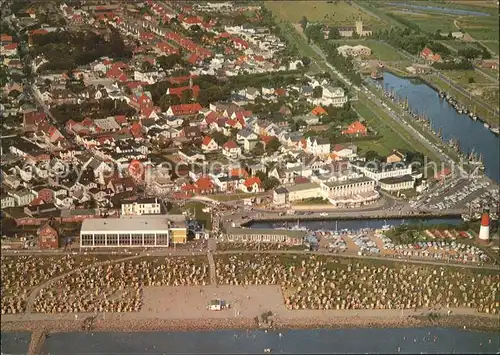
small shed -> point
(217, 305)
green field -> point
(491, 45)
(462, 77)
(381, 51)
(335, 14)
(389, 140)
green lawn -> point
(491, 45)
(381, 51)
(481, 28)
(462, 77)
(235, 196)
(389, 140)
(340, 14)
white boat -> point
(386, 226)
(486, 125)
(474, 117)
(495, 130)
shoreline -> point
(471, 323)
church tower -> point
(191, 82)
(359, 27)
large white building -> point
(141, 207)
(285, 195)
(334, 96)
(132, 231)
(378, 170)
(404, 182)
(354, 51)
(348, 187)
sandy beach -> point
(184, 308)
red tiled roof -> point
(230, 145)
(206, 140)
(251, 181)
(186, 109)
(318, 111)
(204, 183)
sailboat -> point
(386, 226)
(336, 229)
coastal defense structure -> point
(484, 231)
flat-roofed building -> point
(296, 192)
(404, 182)
(348, 187)
(244, 235)
(133, 231)
(379, 170)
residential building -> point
(318, 146)
(48, 237)
(23, 197)
(231, 150)
(395, 157)
(7, 201)
(141, 207)
(356, 129)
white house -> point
(318, 146)
(141, 207)
(334, 96)
(209, 144)
(231, 150)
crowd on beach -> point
(316, 282)
(118, 287)
(21, 274)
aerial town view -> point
(249, 176)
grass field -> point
(462, 77)
(389, 140)
(235, 196)
(492, 45)
(459, 45)
(380, 50)
(340, 14)
(480, 28)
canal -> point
(354, 224)
(472, 135)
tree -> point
(272, 146)
(186, 96)
(318, 92)
(306, 61)
(168, 100)
(334, 33)
(261, 175)
(303, 23)
(471, 80)
(146, 66)
(219, 137)
(372, 155)
(270, 183)
(258, 149)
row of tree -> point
(66, 50)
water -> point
(444, 10)
(15, 342)
(361, 341)
(356, 224)
(471, 134)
